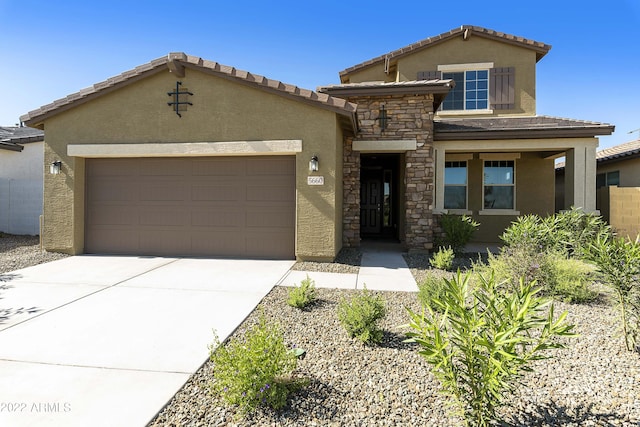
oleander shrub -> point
(304, 295)
(442, 259)
(255, 369)
(359, 316)
(484, 340)
(618, 260)
(457, 231)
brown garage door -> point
(199, 206)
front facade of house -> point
(183, 156)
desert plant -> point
(568, 279)
(618, 260)
(483, 342)
(429, 290)
(359, 316)
(255, 369)
(443, 258)
(303, 295)
(458, 231)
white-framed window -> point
(455, 185)
(471, 91)
(499, 185)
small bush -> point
(303, 295)
(458, 231)
(618, 260)
(567, 279)
(254, 370)
(360, 314)
(484, 341)
(430, 290)
(443, 259)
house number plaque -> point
(315, 180)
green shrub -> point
(303, 295)
(443, 259)
(254, 370)
(568, 279)
(458, 231)
(360, 314)
(484, 341)
(430, 290)
(618, 260)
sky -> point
(51, 49)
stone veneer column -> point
(410, 117)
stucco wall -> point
(458, 51)
(21, 175)
(222, 111)
(629, 171)
(534, 194)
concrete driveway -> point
(107, 341)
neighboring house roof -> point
(628, 150)
(466, 31)
(439, 87)
(177, 62)
(516, 127)
(11, 137)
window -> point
(455, 185)
(499, 184)
(607, 179)
(471, 91)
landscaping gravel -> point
(594, 382)
(18, 252)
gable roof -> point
(176, 62)
(11, 137)
(465, 31)
(516, 127)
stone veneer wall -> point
(409, 117)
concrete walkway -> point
(382, 268)
(108, 341)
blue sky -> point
(53, 48)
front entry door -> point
(371, 206)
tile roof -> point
(176, 60)
(368, 88)
(631, 148)
(519, 126)
(466, 31)
(12, 136)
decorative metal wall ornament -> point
(383, 118)
(180, 99)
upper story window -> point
(471, 91)
(479, 87)
(455, 185)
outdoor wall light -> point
(55, 167)
(314, 165)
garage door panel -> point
(217, 206)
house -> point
(617, 186)
(183, 156)
(21, 176)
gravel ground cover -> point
(18, 252)
(594, 382)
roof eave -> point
(440, 135)
(381, 91)
(6, 145)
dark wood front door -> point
(371, 206)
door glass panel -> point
(386, 200)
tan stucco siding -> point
(222, 110)
(534, 194)
(374, 73)
(479, 50)
(629, 171)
